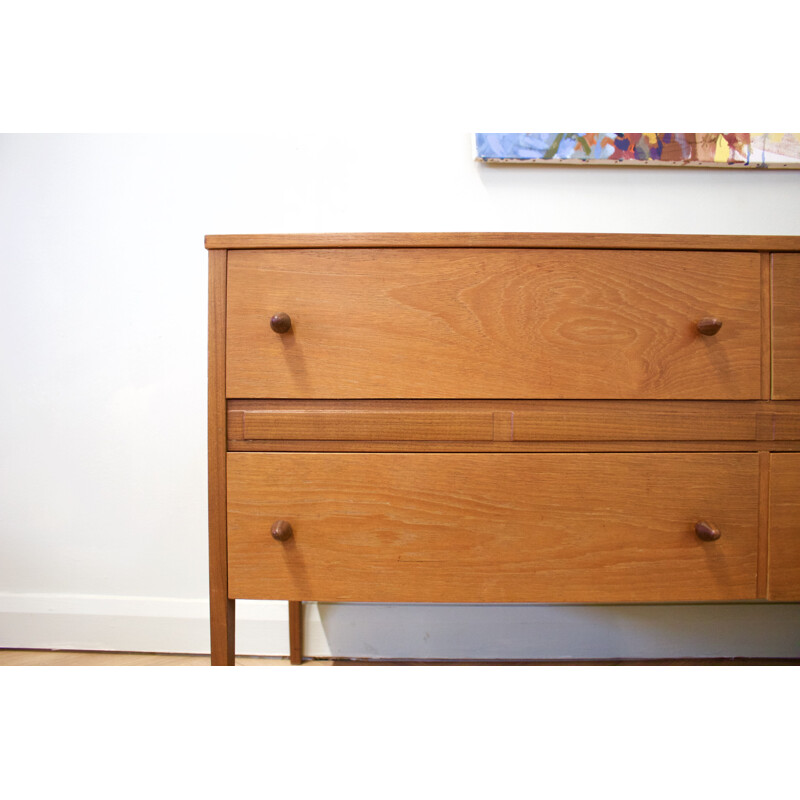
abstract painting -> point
(753, 150)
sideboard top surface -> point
(615, 241)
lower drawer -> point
(493, 527)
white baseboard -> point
(144, 624)
(173, 625)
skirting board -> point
(142, 624)
(172, 625)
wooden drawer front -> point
(572, 423)
(475, 527)
(784, 527)
(786, 326)
(365, 425)
(450, 323)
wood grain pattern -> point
(618, 446)
(786, 326)
(493, 527)
(766, 325)
(763, 523)
(784, 527)
(295, 632)
(66, 658)
(494, 324)
(479, 421)
(502, 417)
(779, 421)
(222, 608)
(785, 425)
(370, 425)
(615, 241)
(635, 421)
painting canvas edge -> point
(703, 150)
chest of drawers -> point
(507, 418)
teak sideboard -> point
(502, 418)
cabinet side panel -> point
(786, 326)
(221, 607)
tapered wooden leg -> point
(295, 632)
(223, 632)
(223, 609)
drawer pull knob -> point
(281, 322)
(282, 530)
(708, 326)
(707, 532)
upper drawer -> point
(484, 323)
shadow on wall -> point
(408, 631)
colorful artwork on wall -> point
(753, 150)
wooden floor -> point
(64, 658)
(68, 658)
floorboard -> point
(72, 658)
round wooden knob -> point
(708, 326)
(281, 322)
(707, 532)
(282, 530)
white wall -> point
(102, 413)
